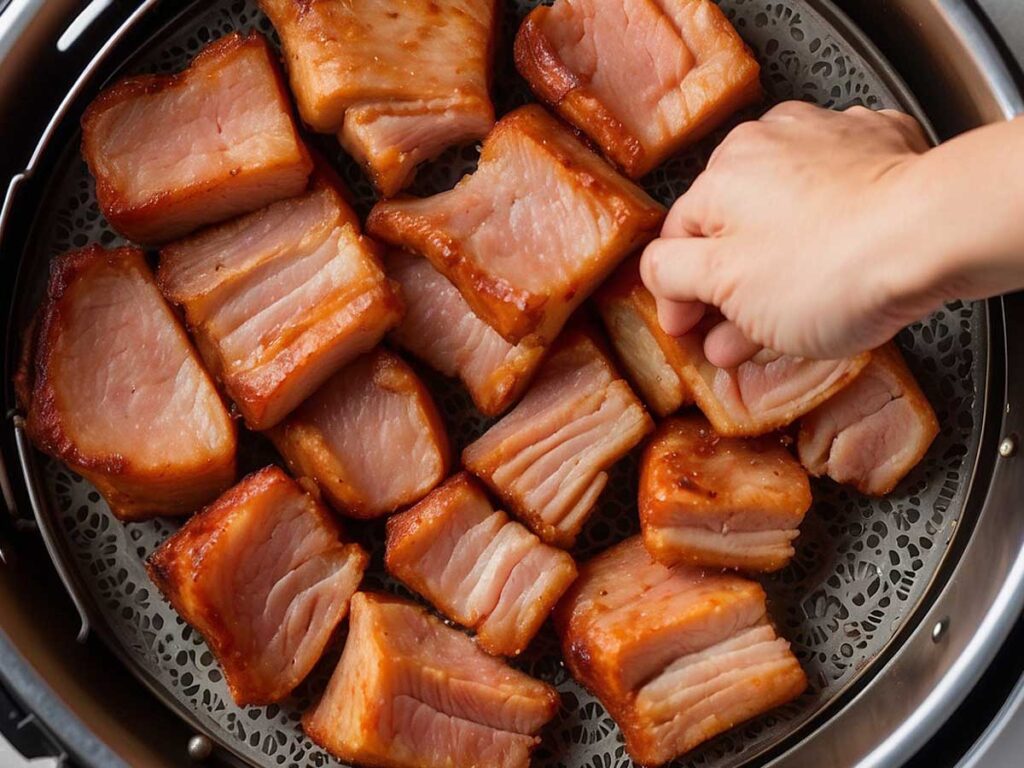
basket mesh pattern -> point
(861, 565)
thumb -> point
(680, 268)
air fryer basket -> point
(865, 572)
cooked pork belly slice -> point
(410, 692)
(547, 458)
(281, 299)
(643, 78)
(171, 153)
(872, 433)
(720, 502)
(112, 387)
(348, 435)
(264, 575)
(759, 396)
(397, 80)
(478, 567)
(676, 654)
(441, 330)
(530, 234)
(390, 140)
(627, 307)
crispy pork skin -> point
(872, 433)
(112, 387)
(765, 393)
(547, 458)
(441, 330)
(371, 437)
(397, 80)
(265, 577)
(478, 567)
(627, 309)
(280, 299)
(677, 655)
(530, 234)
(720, 502)
(642, 78)
(172, 153)
(410, 692)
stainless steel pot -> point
(49, 54)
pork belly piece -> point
(642, 78)
(478, 567)
(172, 153)
(872, 433)
(371, 437)
(765, 393)
(631, 319)
(547, 458)
(676, 655)
(264, 575)
(530, 234)
(280, 299)
(720, 502)
(410, 692)
(112, 387)
(397, 80)
(441, 330)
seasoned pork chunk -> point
(410, 692)
(720, 502)
(547, 458)
(281, 299)
(397, 80)
(478, 567)
(643, 78)
(530, 234)
(761, 395)
(171, 153)
(676, 655)
(631, 318)
(872, 433)
(371, 437)
(441, 330)
(112, 387)
(264, 576)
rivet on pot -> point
(1008, 447)
(199, 748)
(939, 630)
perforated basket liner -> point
(861, 565)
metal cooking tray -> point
(864, 568)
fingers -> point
(725, 346)
(912, 130)
(679, 317)
(679, 269)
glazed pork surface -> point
(676, 655)
(872, 433)
(642, 78)
(720, 502)
(397, 80)
(532, 232)
(264, 575)
(112, 387)
(547, 459)
(765, 393)
(441, 329)
(171, 153)
(410, 692)
(280, 299)
(371, 437)
(478, 567)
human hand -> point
(798, 233)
